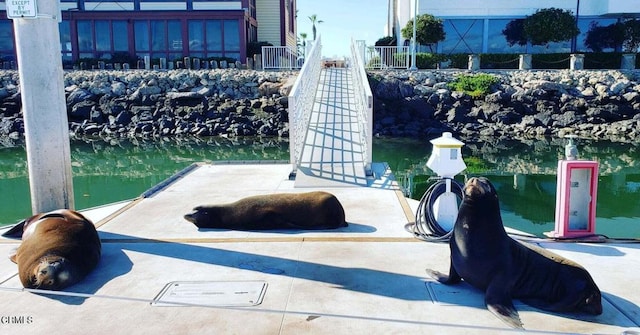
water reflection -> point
(105, 172)
(524, 173)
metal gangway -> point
(330, 122)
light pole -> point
(574, 40)
(413, 40)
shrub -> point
(429, 60)
(477, 85)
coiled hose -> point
(426, 226)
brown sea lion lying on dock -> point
(58, 249)
(483, 255)
(311, 210)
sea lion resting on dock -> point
(487, 258)
(58, 249)
(311, 210)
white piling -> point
(44, 110)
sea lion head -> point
(589, 299)
(479, 187)
(204, 217)
(52, 273)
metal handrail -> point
(387, 57)
(364, 103)
(301, 100)
(280, 58)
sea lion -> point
(311, 210)
(58, 249)
(487, 258)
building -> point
(134, 29)
(475, 26)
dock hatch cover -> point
(211, 293)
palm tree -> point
(314, 20)
(303, 38)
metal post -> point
(413, 41)
(44, 109)
(574, 40)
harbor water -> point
(524, 173)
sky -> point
(343, 19)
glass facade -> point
(485, 36)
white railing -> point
(364, 103)
(301, 100)
(392, 57)
(280, 58)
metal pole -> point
(44, 109)
(413, 40)
(574, 40)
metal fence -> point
(280, 58)
(364, 103)
(301, 100)
(391, 57)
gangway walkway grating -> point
(333, 154)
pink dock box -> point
(576, 199)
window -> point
(463, 36)
(103, 36)
(120, 36)
(158, 35)
(497, 42)
(65, 41)
(231, 35)
(214, 38)
(141, 33)
(85, 36)
(214, 35)
(584, 25)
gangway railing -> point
(387, 57)
(301, 99)
(364, 103)
(280, 58)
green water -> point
(524, 173)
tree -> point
(604, 37)
(624, 35)
(302, 44)
(429, 30)
(514, 32)
(314, 19)
(550, 25)
(386, 41)
(632, 35)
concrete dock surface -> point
(160, 274)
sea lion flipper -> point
(507, 313)
(13, 254)
(501, 305)
(15, 231)
(452, 278)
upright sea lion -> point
(487, 258)
(58, 249)
(311, 210)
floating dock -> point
(160, 274)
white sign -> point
(21, 8)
